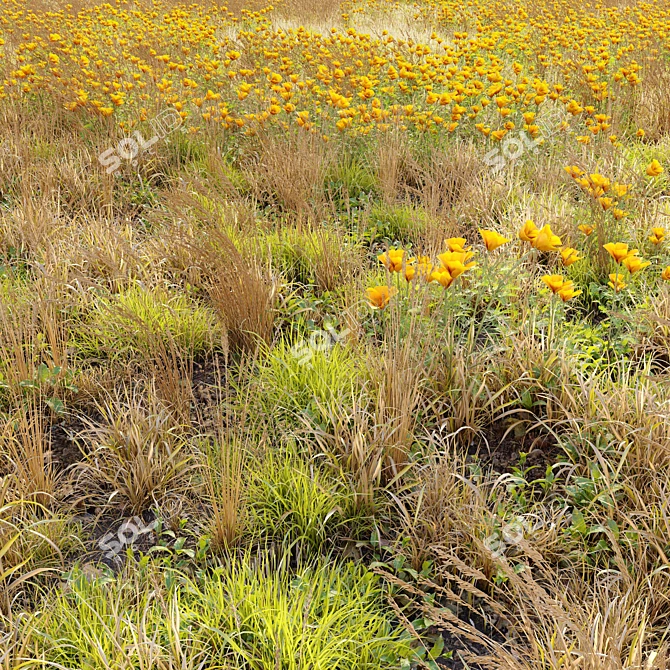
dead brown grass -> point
(653, 112)
(294, 186)
(136, 452)
(243, 293)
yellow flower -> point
(600, 182)
(654, 169)
(554, 282)
(619, 214)
(379, 296)
(529, 231)
(574, 171)
(617, 250)
(606, 203)
(441, 276)
(616, 282)
(392, 259)
(570, 256)
(423, 267)
(620, 190)
(666, 274)
(634, 263)
(546, 240)
(657, 235)
(567, 291)
(455, 262)
(574, 108)
(585, 228)
(492, 240)
(456, 244)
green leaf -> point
(437, 648)
(43, 373)
(419, 624)
(379, 564)
(579, 523)
(56, 405)
(28, 384)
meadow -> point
(335, 335)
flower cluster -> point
(457, 260)
(242, 72)
(628, 258)
(602, 190)
(565, 289)
(452, 264)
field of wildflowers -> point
(335, 335)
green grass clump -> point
(396, 223)
(248, 616)
(325, 617)
(350, 181)
(138, 319)
(321, 258)
(299, 383)
(298, 504)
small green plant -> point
(128, 323)
(293, 388)
(296, 503)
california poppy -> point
(492, 240)
(654, 169)
(546, 240)
(379, 296)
